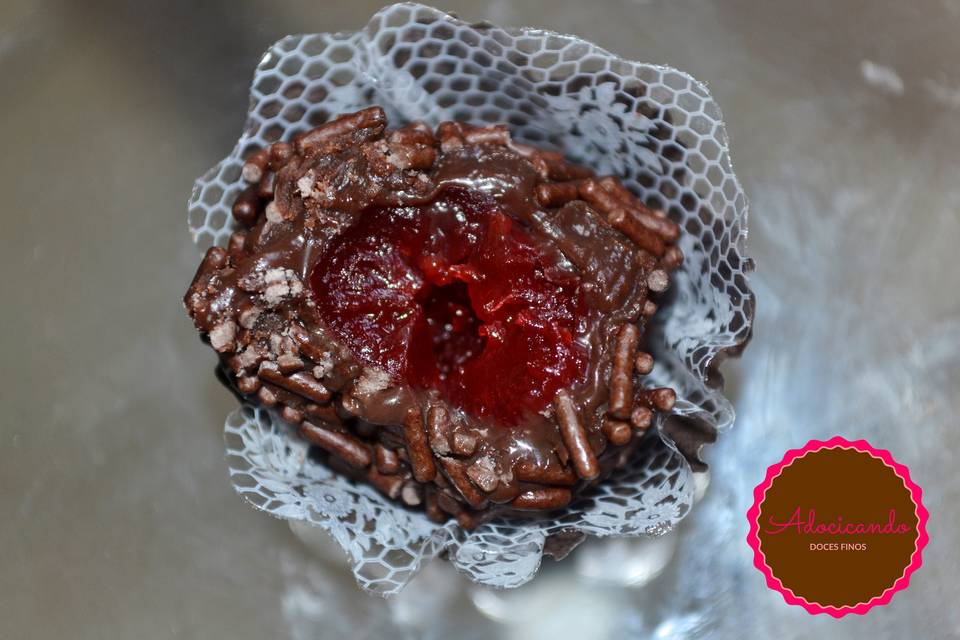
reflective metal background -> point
(116, 517)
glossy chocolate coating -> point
(253, 303)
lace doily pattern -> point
(655, 127)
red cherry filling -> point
(454, 296)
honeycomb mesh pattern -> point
(655, 127)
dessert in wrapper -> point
(477, 300)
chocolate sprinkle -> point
(253, 304)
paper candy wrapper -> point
(656, 128)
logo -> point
(837, 527)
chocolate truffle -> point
(449, 315)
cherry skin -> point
(455, 296)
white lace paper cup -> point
(655, 127)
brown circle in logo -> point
(837, 527)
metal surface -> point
(117, 517)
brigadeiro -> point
(452, 317)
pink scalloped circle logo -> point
(837, 527)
